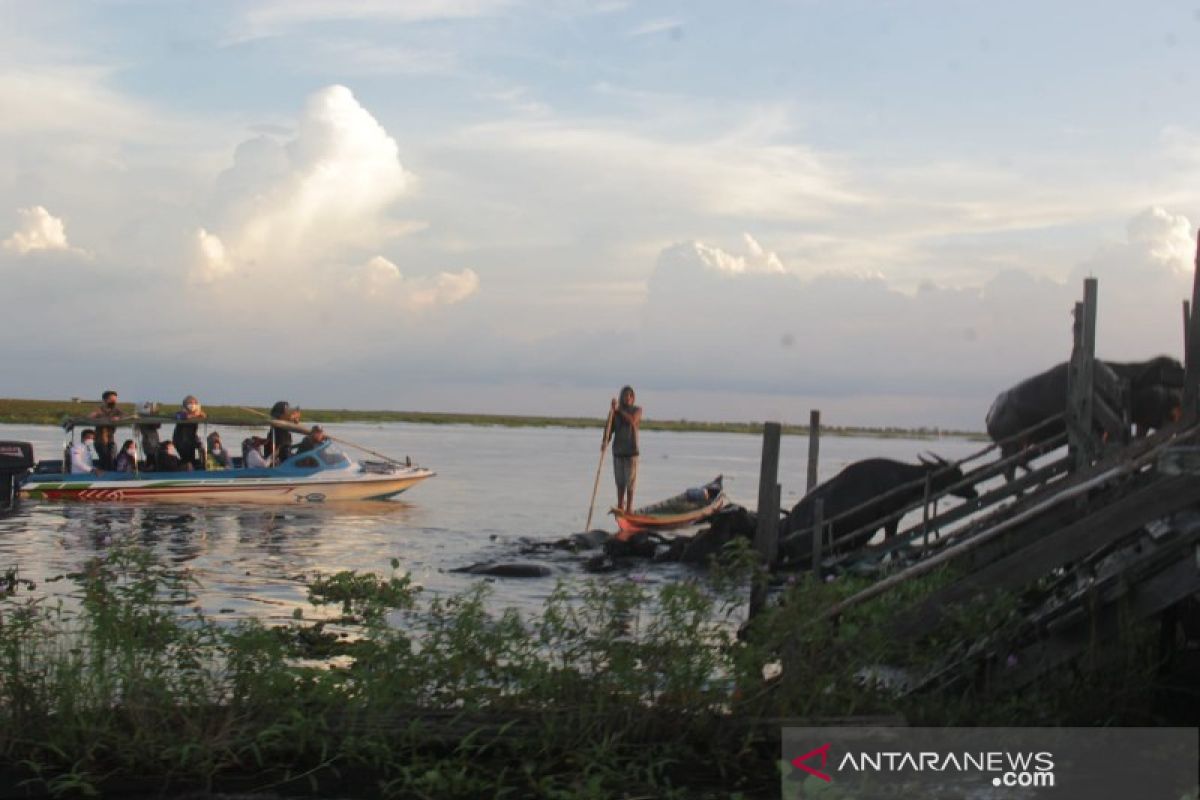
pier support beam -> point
(766, 536)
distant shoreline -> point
(51, 412)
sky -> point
(882, 210)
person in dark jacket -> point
(106, 448)
(279, 441)
(168, 459)
(315, 438)
(626, 420)
(127, 458)
(186, 435)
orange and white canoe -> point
(684, 509)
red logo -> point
(823, 752)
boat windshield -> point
(332, 457)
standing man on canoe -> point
(626, 419)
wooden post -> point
(814, 447)
(818, 537)
(1080, 437)
(925, 512)
(1191, 348)
(766, 536)
(1187, 323)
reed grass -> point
(610, 691)
(51, 412)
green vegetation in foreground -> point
(51, 412)
(609, 691)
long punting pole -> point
(596, 483)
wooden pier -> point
(1097, 538)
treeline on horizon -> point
(52, 412)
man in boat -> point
(186, 435)
(314, 438)
(108, 409)
(106, 444)
(279, 441)
(626, 419)
(79, 456)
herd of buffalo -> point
(875, 489)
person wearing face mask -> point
(218, 456)
(186, 435)
(252, 453)
(108, 410)
(79, 456)
(127, 458)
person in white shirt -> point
(253, 457)
(79, 455)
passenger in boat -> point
(106, 448)
(252, 453)
(316, 437)
(169, 461)
(186, 435)
(79, 456)
(279, 441)
(108, 408)
(626, 420)
(218, 456)
(150, 442)
(127, 458)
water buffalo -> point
(858, 485)
(1156, 393)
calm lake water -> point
(494, 487)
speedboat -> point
(320, 475)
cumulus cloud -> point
(756, 259)
(285, 206)
(39, 230)
(1138, 276)
(382, 280)
(1167, 239)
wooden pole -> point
(1080, 379)
(818, 539)
(766, 536)
(925, 511)
(596, 483)
(814, 447)
(1191, 347)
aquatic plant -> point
(611, 690)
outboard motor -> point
(16, 459)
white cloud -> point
(714, 258)
(380, 279)
(211, 262)
(1168, 239)
(669, 25)
(287, 207)
(39, 230)
(273, 17)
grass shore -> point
(51, 412)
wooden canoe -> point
(680, 511)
